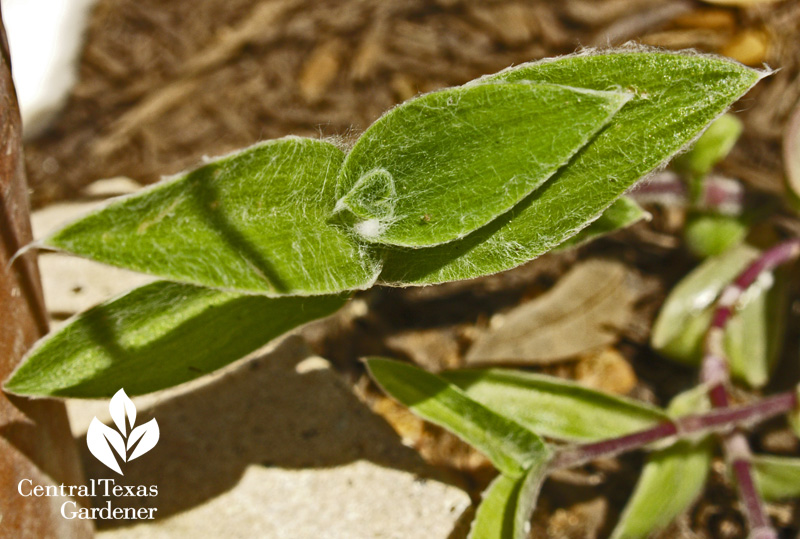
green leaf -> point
(158, 336)
(511, 447)
(753, 334)
(711, 235)
(440, 166)
(777, 478)
(253, 221)
(672, 478)
(507, 506)
(553, 407)
(794, 416)
(670, 482)
(622, 213)
(712, 147)
(678, 95)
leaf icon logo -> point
(106, 444)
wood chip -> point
(320, 70)
(584, 311)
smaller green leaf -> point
(794, 416)
(511, 447)
(622, 213)
(496, 515)
(442, 165)
(777, 478)
(712, 146)
(507, 506)
(711, 234)
(672, 478)
(158, 336)
(554, 407)
(753, 334)
(670, 482)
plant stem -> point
(717, 420)
(716, 374)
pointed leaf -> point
(554, 407)
(507, 506)
(120, 407)
(158, 336)
(678, 95)
(252, 221)
(672, 478)
(511, 447)
(777, 478)
(149, 434)
(439, 166)
(622, 213)
(753, 335)
(100, 439)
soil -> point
(164, 83)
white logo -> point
(101, 438)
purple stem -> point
(717, 420)
(716, 374)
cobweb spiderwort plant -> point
(452, 185)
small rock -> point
(606, 370)
(581, 521)
(749, 47)
(320, 70)
(433, 349)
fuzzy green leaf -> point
(253, 221)
(158, 336)
(677, 96)
(507, 505)
(440, 166)
(777, 478)
(511, 447)
(622, 213)
(672, 478)
(753, 334)
(553, 407)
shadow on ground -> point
(266, 412)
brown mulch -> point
(163, 84)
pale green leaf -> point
(442, 165)
(677, 96)
(753, 334)
(712, 147)
(794, 416)
(777, 478)
(554, 407)
(158, 336)
(252, 221)
(507, 506)
(672, 478)
(496, 514)
(670, 482)
(622, 213)
(711, 234)
(511, 447)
